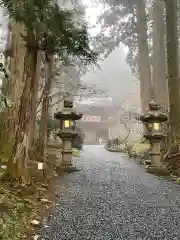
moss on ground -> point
(14, 213)
(18, 207)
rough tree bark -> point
(173, 71)
(44, 112)
(13, 89)
(17, 164)
(144, 60)
(32, 126)
(160, 84)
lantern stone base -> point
(161, 171)
(54, 156)
(67, 168)
(66, 164)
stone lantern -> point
(67, 133)
(153, 120)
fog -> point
(115, 77)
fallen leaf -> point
(35, 222)
(45, 200)
(35, 237)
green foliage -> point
(140, 147)
(14, 215)
(37, 128)
(75, 152)
(55, 28)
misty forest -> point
(91, 88)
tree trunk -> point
(17, 165)
(17, 64)
(173, 71)
(13, 88)
(160, 84)
(32, 127)
(144, 61)
(44, 113)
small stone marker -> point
(40, 165)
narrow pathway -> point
(113, 198)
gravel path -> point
(113, 198)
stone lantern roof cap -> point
(153, 113)
(61, 115)
(151, 117)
